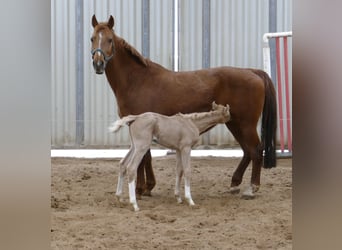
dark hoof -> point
(147, 193)
(234, 190)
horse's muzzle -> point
(99, 66)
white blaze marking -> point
(100, 41)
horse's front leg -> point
(140, 187)
(150, 179)
(144, 187)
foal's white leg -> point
(132, 198)
(139, 152)
(185, 155)
(187, 191)
(179, 174)
(122, 172)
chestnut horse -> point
(141, 85)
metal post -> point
(146, 28)
(175, 31)
(206, 34)
(206, 47)
(79, 74)
(272, 26)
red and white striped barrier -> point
(283, 121)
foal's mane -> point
(196, 116)
(131, 50)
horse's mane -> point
(132, 51)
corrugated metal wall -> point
(63, 111)
(236, 29)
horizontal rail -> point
(267, 36)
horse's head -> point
(102, 44)
(224, 110)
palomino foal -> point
(179, 132)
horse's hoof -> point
(255, 188)
(234, 190)
(147, 193)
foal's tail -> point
(122, 122)
(269, 121)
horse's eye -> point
(92, 39)
(110, 40)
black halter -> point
(106, 58)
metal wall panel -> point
(63, 80)
(236, 28)
(161, 35)
(190, 35)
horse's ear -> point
(94, 21)
(111, 22)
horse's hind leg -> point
(250, 143)
(240, 170)
(256, 156)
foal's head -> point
(102, 40)
(222, 110)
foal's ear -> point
(111, 22)
(94, 21)
(214, 105)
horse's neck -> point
(204, 122)
(126, 62)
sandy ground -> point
(86, 215)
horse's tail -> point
(269, 121)
(122, 122)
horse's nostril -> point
(99, 63)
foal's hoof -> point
(194, 206)
(248, 196)
(249, 193)
(234, 190)
(119, 199)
